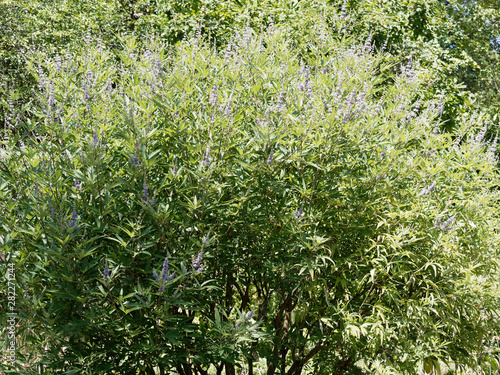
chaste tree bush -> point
(191, 212)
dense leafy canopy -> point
(305, 220)
(456, 40)
(266, 191)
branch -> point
(299, 364)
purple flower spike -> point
(26, 295)
(52, 209)
(74, 217)
(165, 277)
(197, 265)
(145, 192)
(447, 224)
(164, 271)
(78, 184)
(155, 275)
(58, 62)
(270, 158)
(206, 160)
(428, 190)
(86, 93)
(135, 161)
(300, 213)
(95, 139)
(213, 96)
(106, 270)
(51, 95)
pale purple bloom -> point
(58, 62)
(52, 209)
(74, 218)
(131, 111)
(493, 146)
(99, 44)
(26, 295)
(206, 159)
(95, 139)
(428, 190)
(158, 69)
(227, 110)
(327, 106)
(270, 158)
(78, 184)
(440, 105)
(281, 102)
(164, 271)
(213, 96)
(51, 95)
(87, 38)
(42, 81)
(106, 270)
(197, 263)
(37, 189)
(300, 213)
(480, 135)
(155, 275)
(446, 226)
(135, 161)
(145, 195)
(343, 11)
(86, 94)
(165, 277)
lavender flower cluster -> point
(145, 195)
(206, 159)
(106, 273)
(300, 213)
(135, 158)
(74, 218)
(446, 226)
(95, 139)
(426, 191)
(197, 263)
(78, 184)
(165, 277)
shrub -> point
(186, 209)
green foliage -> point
(452, 39)
(326, 203)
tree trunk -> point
(230, 370)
